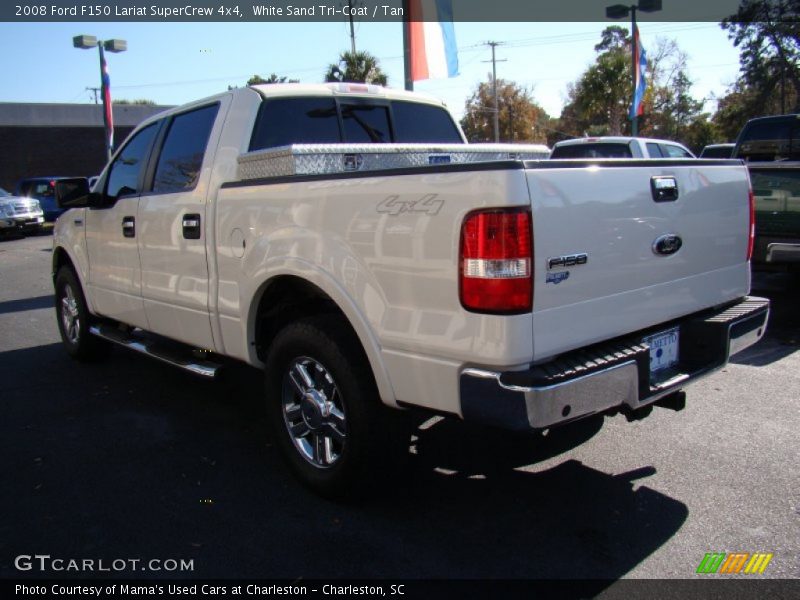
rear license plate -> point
(663, 350)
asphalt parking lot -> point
(131, 458)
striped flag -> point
(432, 40)
(640, 64)
(108, 116)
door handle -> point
(129, 227)
(191, 226)
(664, 188)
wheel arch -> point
(62, 258)
(286, 297)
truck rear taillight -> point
(752, 231)
(495, 259)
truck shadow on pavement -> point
(10, 306)
(132, 459)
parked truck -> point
(345, 239)
(771, 148)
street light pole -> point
(634, 116)
(90, 41)
(620, 11)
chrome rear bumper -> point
(610, 376)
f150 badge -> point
(570, 260)
(560, 262)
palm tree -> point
(273, 78)
(358, 67)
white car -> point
(620, 147)
(20, 214)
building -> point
(60, 139)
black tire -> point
(73, 318)
(363, 441)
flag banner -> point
(108, 115)
(432, 39)
(637, 108)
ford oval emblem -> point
(667, 244)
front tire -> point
(73, 318)
(323, 405)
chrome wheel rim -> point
(313, 412)
(70, 318)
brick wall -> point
(52, 151)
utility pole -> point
(94, 91)
(494, 90)
(352, 31)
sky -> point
(173, 63)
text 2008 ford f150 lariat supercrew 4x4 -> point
(345, 239)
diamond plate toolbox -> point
(320, 159)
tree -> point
(737, 106)
(670, 109)
(273, 78)
(520, 118)
(767, 33)
(358, 67)
(599, 101)
(139, 102)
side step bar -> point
(171, 353)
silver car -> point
(20, 214)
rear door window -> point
(653, 150)
(674, 151)
(184, 147)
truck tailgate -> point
(605, 258)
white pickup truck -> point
(619, 147)
(345, 239)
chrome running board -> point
(168, 352)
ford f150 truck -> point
(346, 240)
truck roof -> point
(613, 139)
(277, 90)
(367, 90)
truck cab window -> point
(285, 121)
(421, 124)
(675, 151)
(184, 147)
(366, 123)
(654, 150)
(125, 172)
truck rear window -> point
(422, 124)
(778, 129)
(285, 121)
(592, 151)
(777, 184)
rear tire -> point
(73, 318)
(325, 412)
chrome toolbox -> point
(319, 159)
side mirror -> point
(74, 193)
